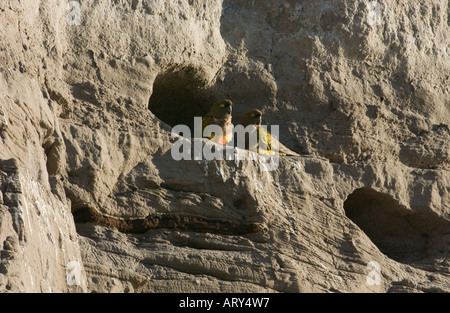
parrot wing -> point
(264, 142)
(271, 145)
(207, 120)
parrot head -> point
(252, 117)
(221, 109)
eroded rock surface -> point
(87, 176)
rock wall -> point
(92, 200)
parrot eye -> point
(253, 115)
(222, 105)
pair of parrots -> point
(220, 115)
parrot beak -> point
(228, 108)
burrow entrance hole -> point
(178, 96)
(399, 233)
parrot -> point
(269, 143)
(220, 114)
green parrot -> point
(269, 143)
(220, 114)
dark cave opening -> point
(400, 234)
(178, 96)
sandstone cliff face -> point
(92, 200)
